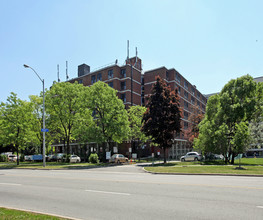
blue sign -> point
(44, 130)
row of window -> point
(98, 77)
(123, 85)
(186, 86)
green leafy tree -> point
(226, 118)
(63, 103)
(256, 132)
(109, 115)
(16, 127)
(135, 114)
(163, 116)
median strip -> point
(106, 192)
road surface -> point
(127, 192)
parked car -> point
(118, 158)
(191, 156)
(12, 157)
(51, 157)
(28, 157)
(59, 156)
(74, 159)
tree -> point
(109, 115)
(16, 128)
(224, 128)
(193, 130)
(256, 132)
(63, 102)
(162, 119)
(135, 114)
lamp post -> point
(44, 129)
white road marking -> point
(106, 192)
(261, 207)
(10, 184)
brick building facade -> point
(134, 87)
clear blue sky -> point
(208, 41)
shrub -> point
(94, 158)
(66, 158)
(3, 158)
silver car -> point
(191, 156)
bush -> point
(3, 158)
(94, 158)
(66, 158)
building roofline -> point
(155, 69)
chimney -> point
(83, 69)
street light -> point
(44, 129)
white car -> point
(74, 159)
(191, 156)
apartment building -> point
(134, 88)
(192, 102)
(126, 79)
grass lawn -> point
(257, 170)
(251, 165)
(7, 214)
(49, 165)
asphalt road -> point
(127, 192)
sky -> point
(208, 41)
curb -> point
(204, 174)
(41, 213)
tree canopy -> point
(162, 119)
(63, 102)
(225, 126)
(16, 127)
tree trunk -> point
(233, 159)
(164, 155)
(17, 160)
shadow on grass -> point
(62, 166)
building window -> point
(110, 84)
(185, 84)
(123, 85)
(123, 73)
(99, 77)
(80, 81)
(179, 90)
(142, 81)
(110, 74)
(185, 105)
(198, 103)
(167, 75)
(186, 115)
(185, 125)
(192, 100)
(193, 90)
(93, 79)
(178, 77)
(186, 94)
(123, 97)
(198, 95)
(142, 100)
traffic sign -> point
(44, 130)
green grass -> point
(203, 169)
(10, 214)
(49, 165)
(251, 165)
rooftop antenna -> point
(67, 70)
(127, 51)
(58, 73)
(136, 56)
